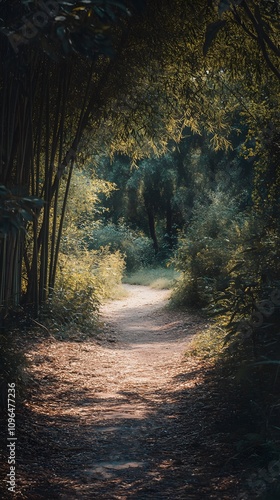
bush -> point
(83, 281)
(76, 297)
(108, 271)
(133, 245)
(204, 253)
(253, 277)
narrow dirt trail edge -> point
(124, 416)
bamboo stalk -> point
(57, 142)
(52, 283)
(47, 197)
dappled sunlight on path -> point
(123, 416)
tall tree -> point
(150, 82)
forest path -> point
(126, 416)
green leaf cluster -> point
(16, 211)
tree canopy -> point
(94, 77)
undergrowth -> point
(133, 245)
(159, 278)
(208, 344)
(84, 281)
(252, 389)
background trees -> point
(132, 88)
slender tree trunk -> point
(152, 227)
(169, 224)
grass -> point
(116, 293)
(159, 278)
(207, 344)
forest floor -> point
(125, 414)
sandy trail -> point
(124, 415)
(151, 341)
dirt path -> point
(125, 416)
(150, 340)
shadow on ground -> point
(177, 444)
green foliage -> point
(209, 343)
(58, 44)
(76, 296)
(108, 271)
(260, 22)
(16, 211)
(84, 208)
(133, 245)
(145, 198)
(157, 84)
(204, 253)
(62, 28)
(84, 280)
(245, 305)
(229, 261)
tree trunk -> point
(152, 228)
(169, 223)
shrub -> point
(253, 277)
(133, 245)
(76, 297)
(83, 281)
(205, 251)
(108, 271)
